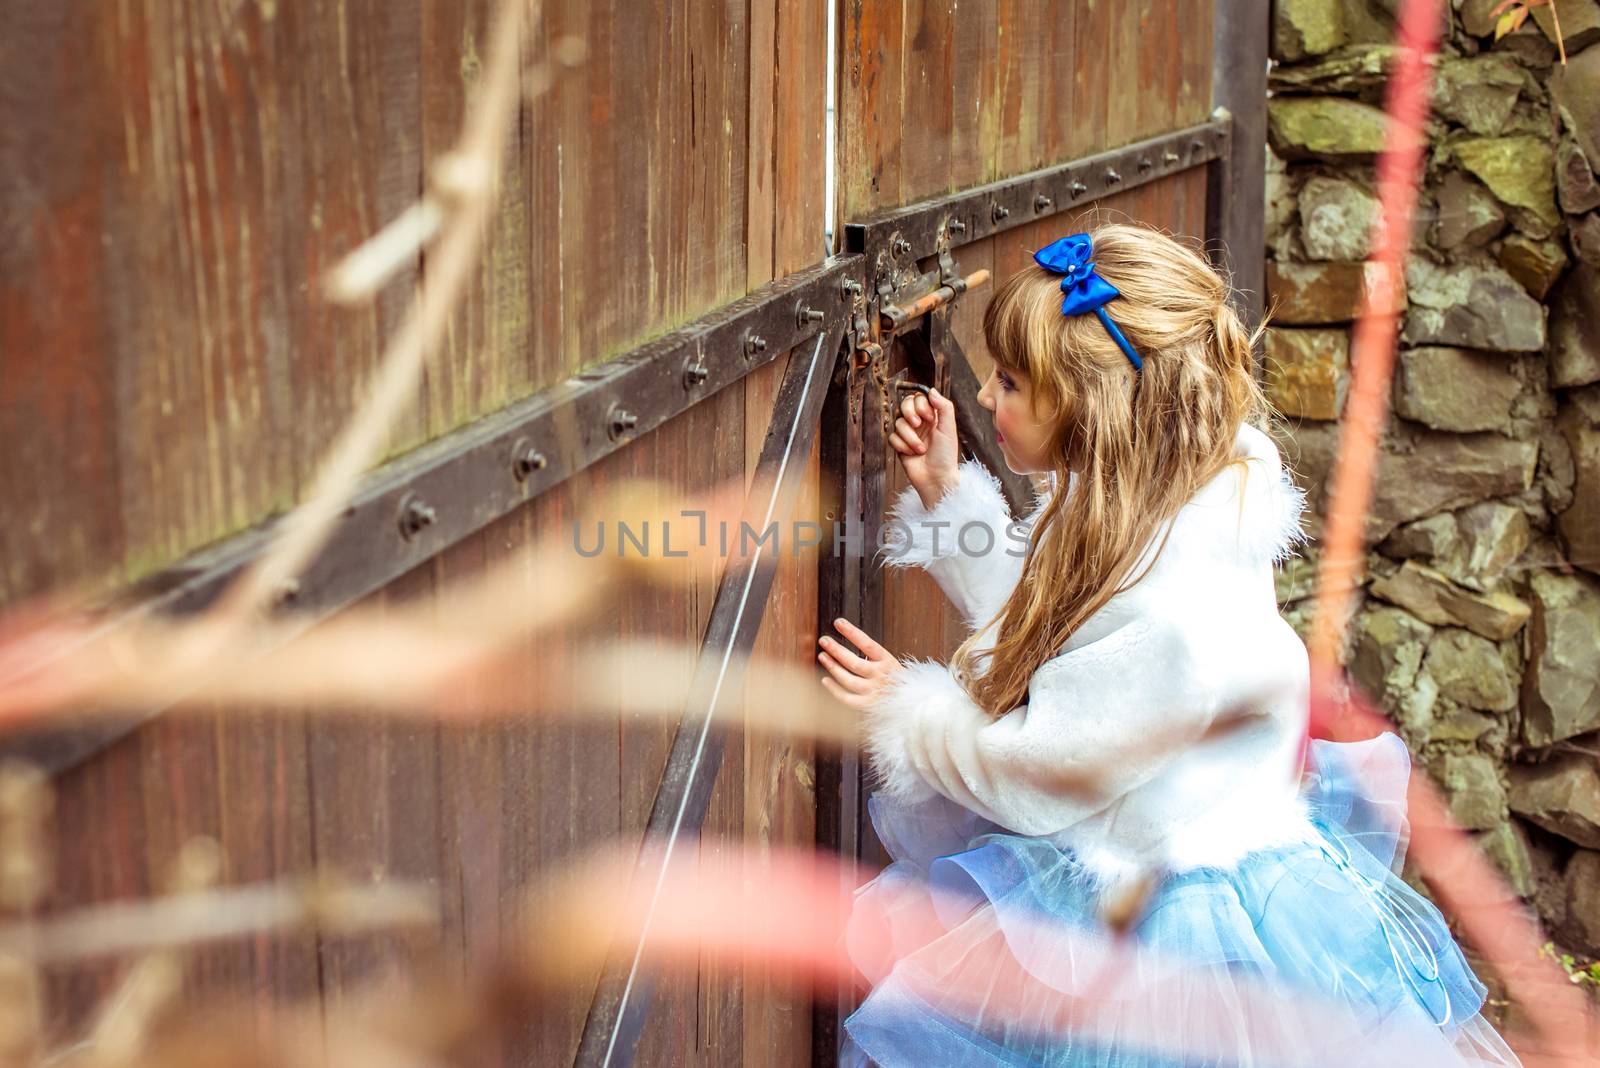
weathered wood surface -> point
(174, 180)
(936, 96)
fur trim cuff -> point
(915, 536)
(920, 700)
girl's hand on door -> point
(855, 680)
(925, 437)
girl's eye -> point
(1006, 383)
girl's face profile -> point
(1023, 440)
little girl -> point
(1117, 748)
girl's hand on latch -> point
(856, 680)
(925, 437)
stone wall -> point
(1479, 624)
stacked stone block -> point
(1478, 626)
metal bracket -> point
(892, 238)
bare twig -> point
(468, 178)
(326, 904)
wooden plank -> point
(375, 815)
(778, 802)
(715, 152)
(760, 146)
(1238, 82)
(544, 144)
(91, 868)
(485, 361)
(974, 63)
(660, 200)
(179, 791)
(1090, 83)
(595, 281)
(1194, 71)
(186, 202)
(265, 831)
(870, 134)
(349, 162)
(471, 785)
(1120, 73)
(771, 799)
(1031, 117)
(726, 993)
(799, 122)
(58, 420)
(926, 107)
(642, 613)
(560, 792)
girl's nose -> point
(985, 395)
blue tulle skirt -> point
(987, 948)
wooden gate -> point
(656, 299)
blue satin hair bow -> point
(1085, 291)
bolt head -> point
(621, 421)
(525, 459)
(415, 514)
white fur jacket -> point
(1131, 694)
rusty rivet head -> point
(525, 459)
(1078, 188)
(1145, 163)
(1170, 156)
(695, 373)
(1195, 146)
(849, 288)
(1112, 177)
(955, 226)
(900, 246)
(754, 345)
(621, 421)
(415, 514)
(1042, 203)
(999, 212)
(805, 315)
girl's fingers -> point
(862, 640)
(845, 678)
(909, 407)
(840, 694)
(846, 657)
(913, 440)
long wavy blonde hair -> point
(1134, 446)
